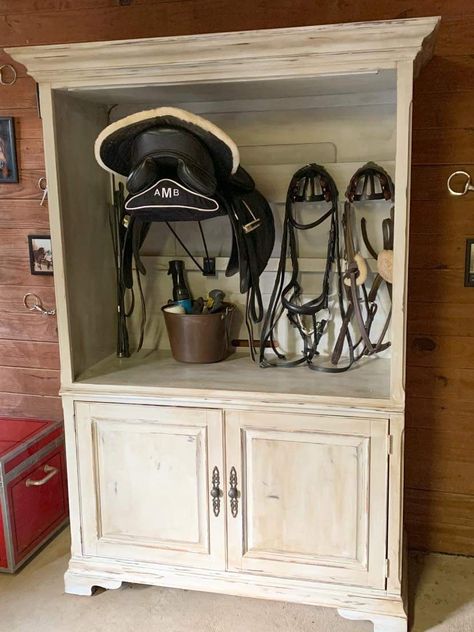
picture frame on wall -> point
(8, 162)
(41, 255)
(469, 265)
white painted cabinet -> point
(305, 485)
(145, 481)
(313, 461)
(295, 490)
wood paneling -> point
(446, 319)
(443, 146)
(450, 512)
(451, 109)
(440, 286)
(445, 75)
(15, 263)
(31, 381)
(437, 460)
(437, 252)
(29, 326)
(429, 184)
(28, 354)
(440, 347)
(26, 189)
(22, 213)
(435, 351)
(32, 406)
(439, 415)
(443, 383)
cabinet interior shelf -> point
(157, 372)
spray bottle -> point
(181, 293)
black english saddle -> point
(181, 167)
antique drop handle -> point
(49, 470)
(216, 492)
(233, 493)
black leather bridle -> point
(369, 183)
(311, 183)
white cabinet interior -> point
(314, 462)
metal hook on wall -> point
(33, 303)
(12, 73)
(466, 178)
(43, 187)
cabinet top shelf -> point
(156, 374)
(234, 56)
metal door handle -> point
(233, 493)
(49, 470)
(216, 492)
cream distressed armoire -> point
(279, 484)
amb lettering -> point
(166, 192)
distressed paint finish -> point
(144, 483)
(170, 426)
(442, 102)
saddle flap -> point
(168, 200)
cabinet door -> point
(311, 496)
(145, 477)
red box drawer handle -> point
(49, 470)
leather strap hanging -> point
(371, 182)
(311, 183)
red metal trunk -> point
(33, 492)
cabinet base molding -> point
(370, 604)
(382, 623)
(83, 583)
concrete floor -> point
(441, 588)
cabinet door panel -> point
(312, 496)
(145, 483)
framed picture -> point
(8, 166)
(469, 266)
(41, 256)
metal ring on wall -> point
(2, 78)
(33, 303)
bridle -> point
(370, 183)
(311, 183)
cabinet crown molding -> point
(269, 53)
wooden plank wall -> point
(440, 433)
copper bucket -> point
(200, 338)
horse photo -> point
(41, 256)
(8, 166)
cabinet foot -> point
(82, 584)
(382, 623)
